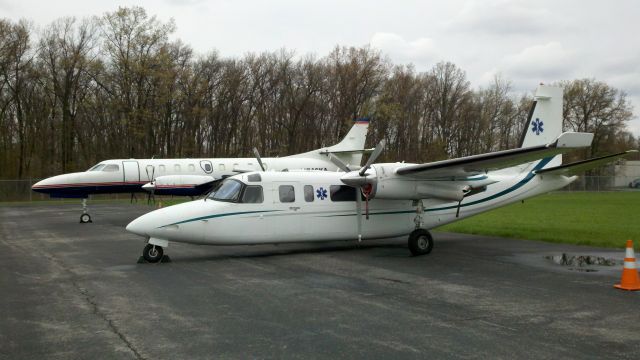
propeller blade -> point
(337, 162)
(376, 152)
(359, 211)
(257, 155)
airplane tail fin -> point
(544, 124)
(350, 149)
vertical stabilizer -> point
(545, 119)
(349, 150)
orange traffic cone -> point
(630, 280)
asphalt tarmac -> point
(70, 290)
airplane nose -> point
(139, 226)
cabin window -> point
(176, 168)
(192, 168)
(97, 167)
(221, 167)
(287, 193)
(252, 194)
(342, 193)
(111, 168)
(207, 168)
(229, 190)
(254, 178)
(162, 169)
(308, 193)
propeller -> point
(359, 180)
(151, 196)
(257, 155)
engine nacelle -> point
(389, 185)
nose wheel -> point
(152, 253)
(85, 217)
(420, 242)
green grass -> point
(605, 219)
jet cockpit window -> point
(97, 167)
(111, 167)
(252, 194)
(229, 190)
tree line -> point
(116, 86)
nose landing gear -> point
(85, 217)
(152, 253)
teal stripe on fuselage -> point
(217, 216)
(520, 184)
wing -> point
(579, 167)
(479, 164)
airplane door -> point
(206, 166)
(289, 199)
(131, 171)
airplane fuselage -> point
(128, 175)
(319, 207)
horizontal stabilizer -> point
(579, 167)
(478, 164)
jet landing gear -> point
(85, 217)
(420, 242)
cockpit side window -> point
(97, 167)
(111, 167)
(229, 190)
(252, 194)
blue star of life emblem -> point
(537, 126)
(321, 193)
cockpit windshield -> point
(231, 190)
(228, 190)
(97, 167)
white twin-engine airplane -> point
(192, 177)
(399, 199)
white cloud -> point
(502, 17)
(420, 52)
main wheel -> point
(420, 242)
(85, 218)
(152, 253)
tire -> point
(420, 242)
(152, 253)
(85, 218)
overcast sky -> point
(526, 41)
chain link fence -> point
(20, 190)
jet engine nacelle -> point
(181, 185)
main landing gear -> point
(85, 217)
(420, 242)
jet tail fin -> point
(350, 149)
